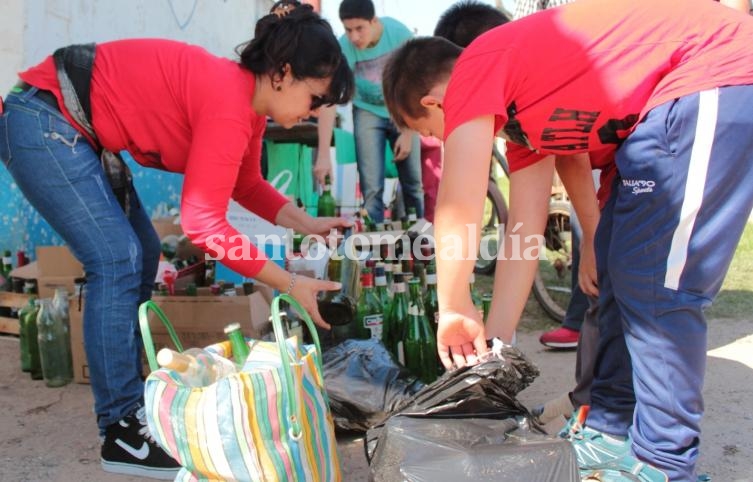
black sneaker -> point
(130, 449)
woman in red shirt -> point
(175, 107)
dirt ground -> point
(50, 434)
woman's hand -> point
(306, 290)
(324, 226)
(403, 146)
(461, 338)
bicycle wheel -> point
(552, 286)
(495, 214)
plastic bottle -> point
(196, 367)
(54, 343)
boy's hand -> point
(403, 145)
(460, 338)
(587, 278)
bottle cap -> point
(232, 327)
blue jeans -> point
(61, 176)
(576, 309)
(372, 133)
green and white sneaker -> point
(604, 458)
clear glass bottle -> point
(54, 341)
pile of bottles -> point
(197, 367)
(45, 342)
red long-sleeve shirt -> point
(176, 107)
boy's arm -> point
(460, 203)
(530, 189)
(575, 172)
(324, 128)
(461, 335)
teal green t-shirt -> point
(368, 64)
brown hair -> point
(412, 71)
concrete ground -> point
(50, 434)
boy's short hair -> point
(412, 71)
(466, 20)
(350, 9)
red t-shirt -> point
(176, 107)
(579, 77)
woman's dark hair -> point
(412, 71)
(304, 41)
(466, 20)
(350, 9)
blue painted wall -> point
(21, 227)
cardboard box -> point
(198, 321)
(55, 266)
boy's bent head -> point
(356, 9)
(412, 72)
(466, 20)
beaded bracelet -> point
(291, 285)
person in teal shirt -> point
(367, 45)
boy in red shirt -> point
(664, 99)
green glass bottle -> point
(380, 283)
(32, 338)
(7, 268)
(431, 301)
(28, 314)
(238, 343)
(7, 284)
(420, 343)
(475, 296)
(486, 301)
(393, 333)
(327, 207)
(369, 314)
(368, 224)
(339, 307)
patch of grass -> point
(736, 298)
(734, 301)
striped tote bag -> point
(268, 422)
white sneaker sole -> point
(139, 470)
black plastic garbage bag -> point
(468, 425)
(364, 383)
